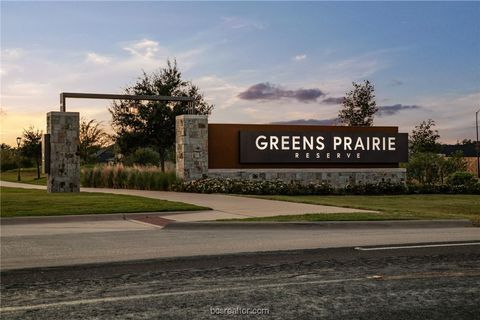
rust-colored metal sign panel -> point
(295, 146)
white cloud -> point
(144, 48)
(300, 57)
(242, 23)
(13, 54)
(218, 91)
(96, 58)
(24, 88)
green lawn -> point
(390, 207)
(27, 175)
(28, 202)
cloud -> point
(311, 122)
(242, 23)
(96, 58)
(395, 83)
(300, 57)
(333, 100)
(144, 48)
(391, 110)
(267, 91)
(21, 89)
(13, 53)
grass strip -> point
(395, 207)
(28, 175)
(16, 202)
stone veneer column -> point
(191, 146)
(63, 128)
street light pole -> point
(18, 157)
(478, 145)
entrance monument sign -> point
(335, 155)
(291, 153)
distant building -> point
(105, 155)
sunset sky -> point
(257, 62)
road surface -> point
(149, 242)
(421, 283)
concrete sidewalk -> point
(224, 206)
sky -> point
(257, 62)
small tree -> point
(424, 138)
(143, 156)
(8, 157)
(32, 146)
(450, 165)
(152, 124)
(92, 138)
(424, 167)
(359, 106)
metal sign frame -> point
(82, 95)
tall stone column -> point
(64, 173)
(192, 146)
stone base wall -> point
(191, 132)
(333, 177)
(63, 128)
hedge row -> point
(282, 188)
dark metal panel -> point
(80, 95)
(280, 147)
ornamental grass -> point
(123, 177)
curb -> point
(87, 217)
(387, 224)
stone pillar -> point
(63, 128)
(192, 146)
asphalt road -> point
(72, 248)
(342, 283)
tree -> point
(8, 157)
(424, 167)
(144, 157)
(32, 146)
(152, 123)
(359, 106)
(425, 164)
(92, 138)
(424, 138)
(449, 165)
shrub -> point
(462, 178)
(144, 157)
(283, 188)
(424, 167)
(217, 185)
(444, 189)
